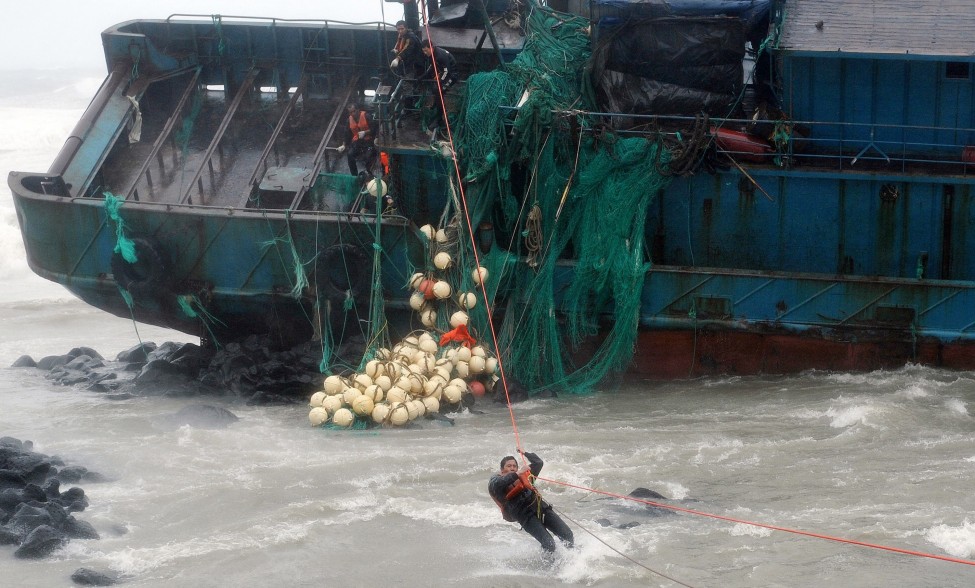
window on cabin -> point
(957, 70)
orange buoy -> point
(426, 286)
(477, 388)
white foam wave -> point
(842, 418)
(956, 405)
(957, 541)
(743, 530)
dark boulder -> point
(40, 542)
(11, 479)
(79, 351)
(200, 416)
(87, 577)
(24, 361)
(75, 529)
(53, 361)
(137, 354)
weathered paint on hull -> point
(672, 354)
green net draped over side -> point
(573, 312)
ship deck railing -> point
(813, 145)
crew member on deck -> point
(514, 492)
(407, 59)
(440, 64)
(360, 141)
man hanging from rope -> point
(515, 494)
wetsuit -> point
(520, 502)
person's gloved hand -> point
(523, 468)
(340, 148)
(362, 134)
(443, 75)
(394, 64)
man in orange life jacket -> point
(359, 140)
(513, 491)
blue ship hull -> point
(846, 247)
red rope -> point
(504, 381)
(470, 232)
(766, 526)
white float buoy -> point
(363, 405)
(334, 384)
(350, 394)
(463, 354)
(441, 236)
(476, 365)
(428, 231)
(316, 399)
(452, 394)
(317, 416)
(429, 345)
(429, 318)
(376, 188)
(491, 365)
(442, 260)
(478, 351)
(384, 382)
(416, 279)
(479, 275)
(458, 318)
(432, 404)
(361, 381)
(441, 290)
(467, 300)
(400, 415)
(379, 413)
(343, 417)
(332, 403)
(417, 300)
(396, 394)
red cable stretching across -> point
(514, 424)
(773, 527)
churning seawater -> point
(885, 458)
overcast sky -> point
(49, 34)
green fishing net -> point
(572, 203)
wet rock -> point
(78, 474)
(53, 361)
(8, 537)
(41, 542)
(88, 351)
(89, 577)
(84, 363)
(34, 513)
(646, 493)
(201, 416)
(24, 361)
(75, 529)
(167, 351)
(138, 354)
(11, 479)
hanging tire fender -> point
(149, 276)
(344, 270)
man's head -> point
(401, 28)
(352, 107)
(426, 49)
(509, 464)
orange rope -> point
(766, 526)
(511, 413)
(470, 232)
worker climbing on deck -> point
(513, 490)
(407, 58)
(440, 65)
(360, 140)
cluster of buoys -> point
(422, 373)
